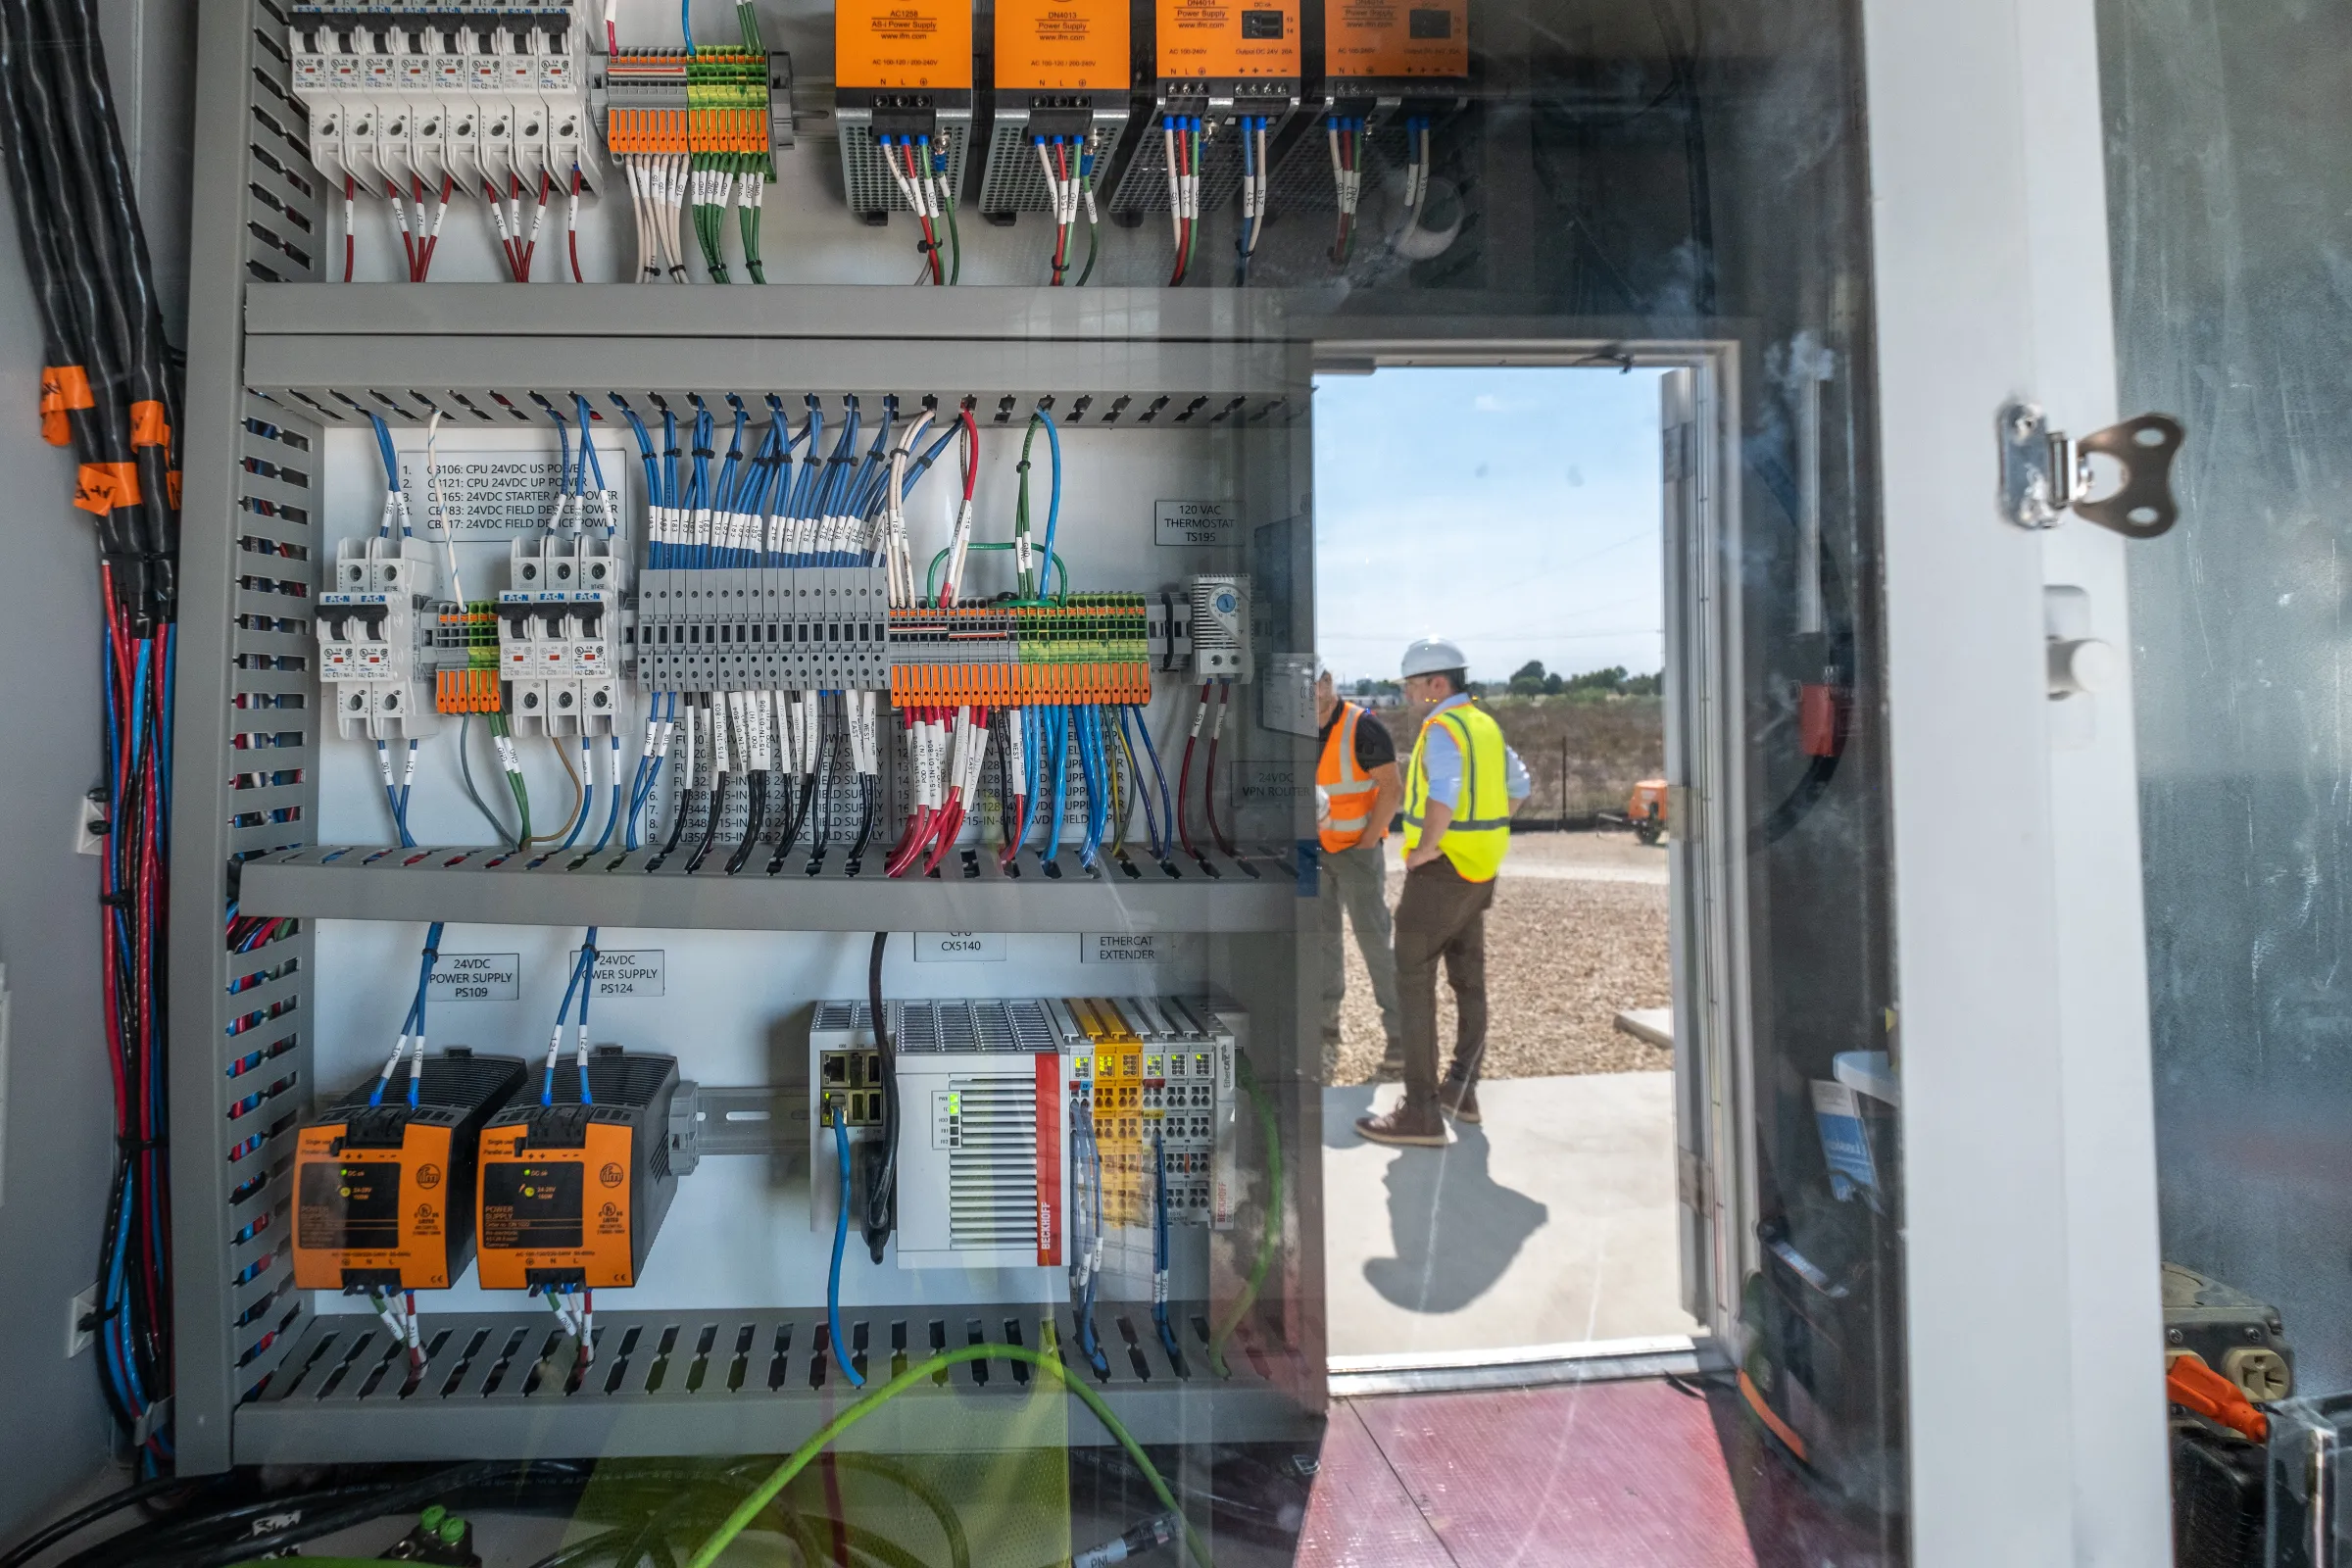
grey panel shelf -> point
(784, 311)
(715, 1380)
(482, 885)
(1181, 385)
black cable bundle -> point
(882, 1165)
(109, 393)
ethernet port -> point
(835, 1067)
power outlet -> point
(77, 1311)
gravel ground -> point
(1564, 955)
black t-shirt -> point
(1373, 746)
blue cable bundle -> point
(1159, 1249)
(841, 1239)
(582, 982)
(412, 1027)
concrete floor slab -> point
(1551, 1223)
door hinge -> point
(1691, 1184)
(2046, 473)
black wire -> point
(754, 821)
(719, 808)
(40, 1540)
(882, 1174)
(865, 822)
(793, 824)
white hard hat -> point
(1431, 655)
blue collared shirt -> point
(1442, 761)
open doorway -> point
(1520, 513)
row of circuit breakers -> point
(465, 95)
(1005, 1108)
(552, 650)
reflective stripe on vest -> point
(1480, 834)
(1347, 788)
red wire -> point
(408, 241)
(572, 226)
(1061, 230)
(545, 181)
(1184, 776)
(350, 246)
(971, 453)
(1208, 780)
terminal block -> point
(1088, 648)
(1156, 1075)
(410, 100)
(764, 629)
(724, 107)
(373, 629)
(560, 636)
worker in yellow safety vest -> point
(1357, 789)
(1461, 789)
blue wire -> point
(611, 811)
(686, 23)
(383, 444)
(840, 1238)
(1089, 766)
(563, 453)
(1060, 721)
(587, 973)
(669, 457)
(1033, 744)
(592, 463)
(1159, 777)
(547, 1086)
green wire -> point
(1061, 571)
(955, 248)
(1027, 581)
(473, 794)
(1273, 1232)
(959, 1548)
(514, 784)
(751, 1506)
(749, 216)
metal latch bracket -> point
(2045, 473)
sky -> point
(1515, 511)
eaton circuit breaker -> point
(373, 629)
(560, 640)
(421, 101)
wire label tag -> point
(1215, 524)
(477, 977)
(959, 947)
(501, 494)
(637, 973)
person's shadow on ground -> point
(1454, 1229)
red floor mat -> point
(1604, 1475)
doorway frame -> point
(1715, 1166)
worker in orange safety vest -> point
(1357, 788)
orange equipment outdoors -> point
(903, 43)
(1392, 38)
(573, 1194)
(1209, 39)
(1062, 45)
(1647, 811)
(1343, 790)
(384, 1194)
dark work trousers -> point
(1441, 916)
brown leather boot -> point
(1411, 1126)
(1459, 1098)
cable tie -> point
(140, 1146)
